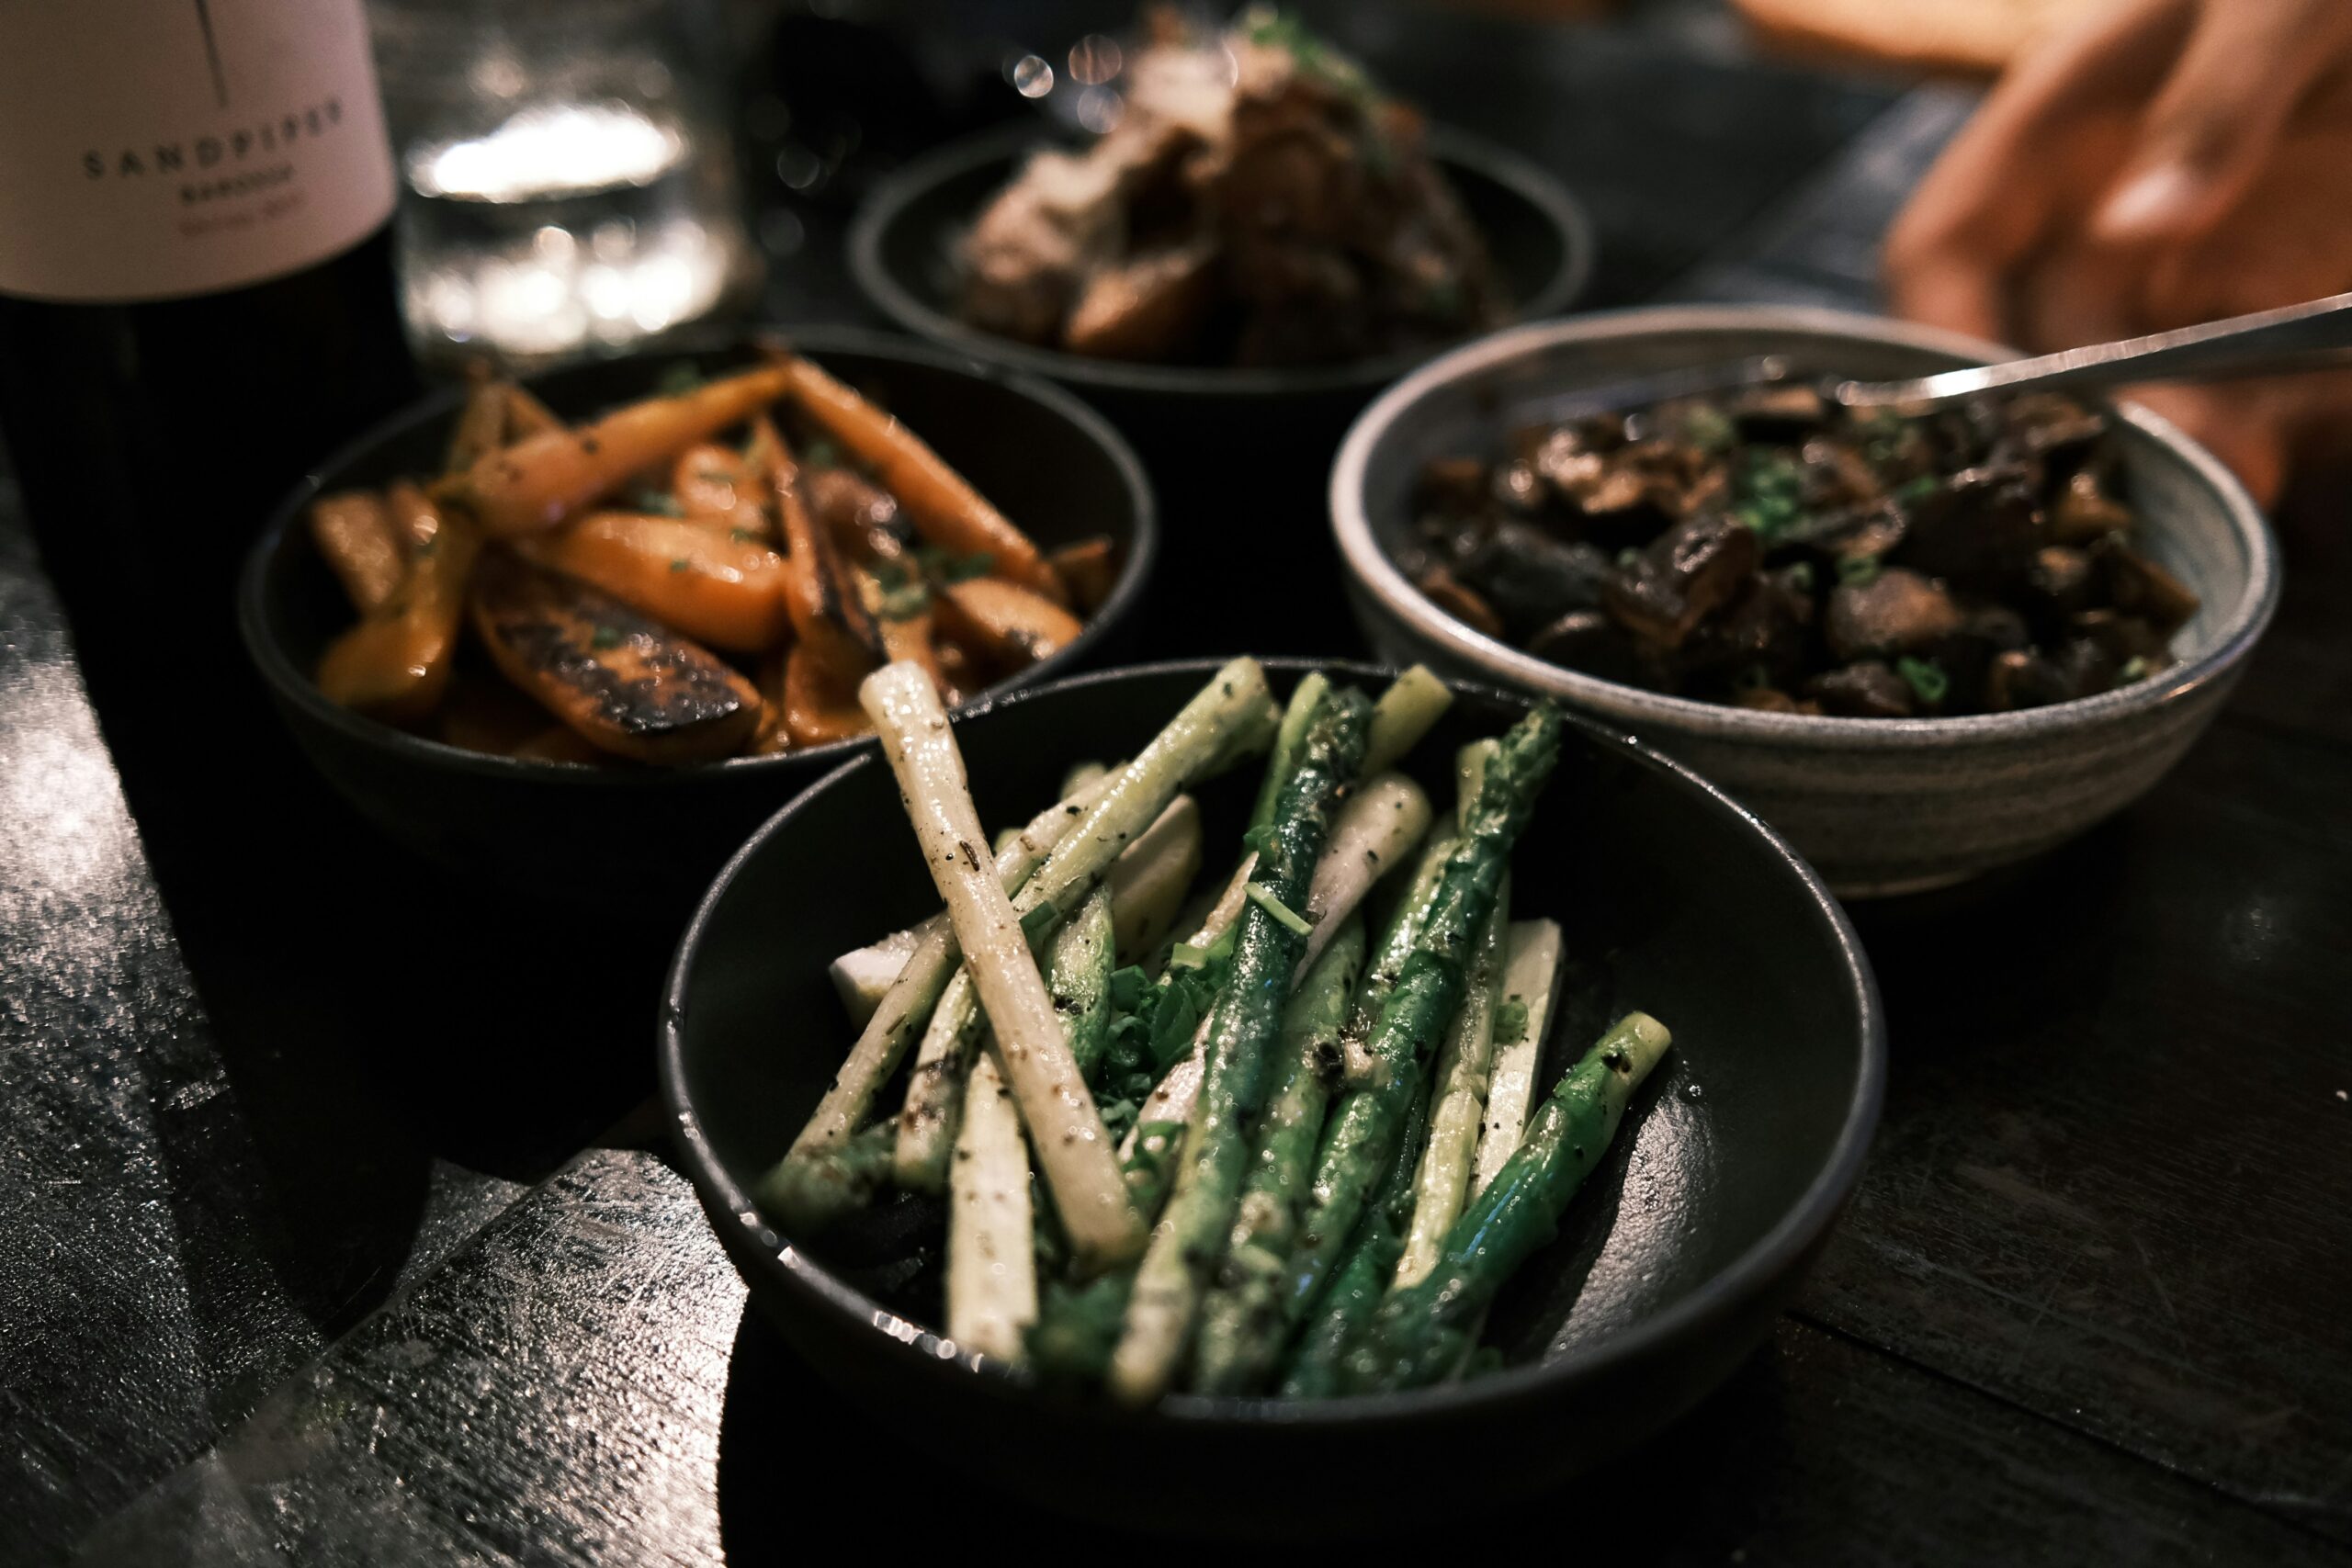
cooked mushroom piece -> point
(2020, 679)
(1866, 690)
(1979, 530)
(2139, 586)
(1446, 592)
(1690, 571)
(1896, 612)
(2085, 512)
(2060, 579)
(1588, 640)
(1531, 578)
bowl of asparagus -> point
(1329, 1066)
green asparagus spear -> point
(1217, 1144)
(1241, 1316)
(1362, 1280)
(1246, 1340)
(1428, 989)
(1421, 1332)
(810, 1192)
(1290, 742)
(1458, 1099)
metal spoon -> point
(2313, 336)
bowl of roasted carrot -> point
(586, 632)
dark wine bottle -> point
(197, 297)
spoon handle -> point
(2317, 335)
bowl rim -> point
(1370, 569)
(1781, 1249)
(885, 207)
(294, 685)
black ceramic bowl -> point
(1735, 1158)
(659, 834)
(902, 253)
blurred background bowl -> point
(1879, 805)
(648, 839)
(901, 255)
(1737, 1156)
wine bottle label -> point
(156, 149)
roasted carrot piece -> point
(702, 584)
(395, 663)
(819, 706)
(481, 427)
(943, 508)
(860, 518)
(623, 682)
(826, 615)
(908, 637)
(540, 480)
(1087, 568)
(354, 531)
(716, 487)
(526, 416)
(1011, 629)
(415, 516)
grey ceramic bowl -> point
(1879, 805)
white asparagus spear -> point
(1413, 703)
(927, 1120)
(864, 976)
(1148, 879)
(1531, 980)
(921, 974)
(1074, 1154)
(1232, 716)
(1383, 819)
(991, 1249)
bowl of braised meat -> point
(1258, 222)
(585, 632)
(1921, 645)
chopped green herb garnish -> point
(1127, 986)
(1917, 490)
(605, 637)
(1707, 428)
(1859, 571)
(743, 535)
(678, 563)
(1626, 558)
(1800, 576)
(948, 567)
(1258, 839)
(2134, 669)
(1927, 678)
(1187, 956)
(1290, 919)
(1511, 1021)
(676, 380)
(1039, 919)
(821, 454)
(660, 501)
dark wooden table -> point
(337, 1229)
